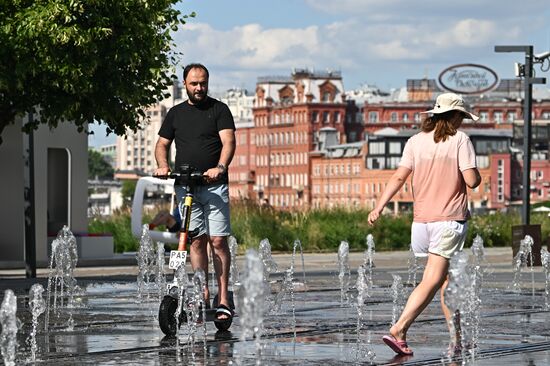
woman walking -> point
(442, 160)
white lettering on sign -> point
(177, 258)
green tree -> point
(85, 60)
(97, 166)
(127, 191)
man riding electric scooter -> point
(204, 133)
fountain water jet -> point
(8, 320)
(180, 284)
(369, 259)
(362, 352)
(37, 306)
(146, 262)
(343, 270)
(413, 267)
(63, 261)
(398, 297)
(269, 265)
(160, 278)
(545, 258)
(298, 244)
(521, 259)
(233, 269)
(253, 293)
(462, 298)
(196, 306)
(287, 287)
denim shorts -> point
(210, 209)
(443, 238)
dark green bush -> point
(323, 230)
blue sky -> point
(380, 42)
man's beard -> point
(197, 98)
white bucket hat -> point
(450, 102)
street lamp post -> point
(527, 106)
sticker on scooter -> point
(177, 258)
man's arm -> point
(227, 137)
(472, 177)
(161, 156)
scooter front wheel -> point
(167, 318)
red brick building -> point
(288, 113)
(310, 147)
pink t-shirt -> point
(439, 189)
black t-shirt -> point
(195, 129)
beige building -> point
(135, 152)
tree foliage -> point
(98, 166)
(127, 191)
(85, 61)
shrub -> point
(323, 229)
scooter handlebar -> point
(184, 174)
(176, 175)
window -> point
(405, 117)
(337, 117)
(326, 117)
(315, 116)
(326, 97)
(395, 148)
(373, 116)
(482, 162)
(417, 117)
(377, 148)
(375, 163)
(498, 117)
(483, 116)
(393, 162)
(393, 116)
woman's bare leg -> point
(434, 276)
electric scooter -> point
(190, 178)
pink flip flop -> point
(397, 346)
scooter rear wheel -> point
(167, 319)
(223, 325)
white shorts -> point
(443, 238)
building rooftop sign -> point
(468, 79)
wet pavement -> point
(112, 326)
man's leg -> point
(199, 259)
(434, 276)
(222, 264)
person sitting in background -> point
(172, 222)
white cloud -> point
(249, 46)
(359, 41)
